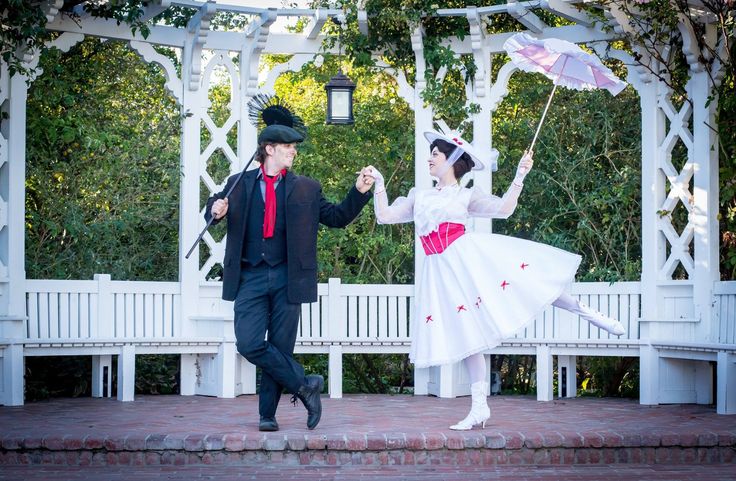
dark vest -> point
(256, 249)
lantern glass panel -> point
(340, 104)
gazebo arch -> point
(676, 327)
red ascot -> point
(269, 214)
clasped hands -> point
(370, 176)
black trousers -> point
(266, 326)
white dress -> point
(482, 288)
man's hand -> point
(219, 208)
(365, 181)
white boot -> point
(598, 319)
(479, 411)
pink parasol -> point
(564, 63)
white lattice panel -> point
(680, 196)
(219, 70)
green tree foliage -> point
(103, 167)
(583, 193)
(332, 154)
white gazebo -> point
(683, 331)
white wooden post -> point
(126, 373)
(245, 376)
(13, 93)
(648, 373)
(705, 204)
(421, 381)
(226, 357)
(567, 375)
(335, 372)
(422, 122)
(104, 324)
(101, 372)
(188, 375)
(703, 381)
(544, 373)
(189, 208)
(336, 330)
(480, 93)
(726, 403)
(653, 242)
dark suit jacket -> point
(306, 208)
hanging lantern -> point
(340, 100)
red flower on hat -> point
(524, 266)
(504, 284)
(429, 318)
(461, 308)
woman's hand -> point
(525, 165)
(377, 176)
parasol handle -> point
(212, 217)
(544, 114)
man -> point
(270, 264)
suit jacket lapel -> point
(249, 183)
(290, 182)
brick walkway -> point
(362, 430)
(718, 472)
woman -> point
(475, 289)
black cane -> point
(212, 217)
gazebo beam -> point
(566, 10)
(315, 24)
(526, 17)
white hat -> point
(455, 139)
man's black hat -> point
(279, 134)
(281, 126)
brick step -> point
(472, 448)
(362, 430)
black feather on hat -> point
(281, 125)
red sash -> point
(437, 241)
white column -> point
(568, 364)
(652, 196)
(189, 213)
(705, 207)
(126, 373)
(648, 374)
(189, 209)
(13, 93)
(101, 372)
(336, 329)
(334, 372)
(726, 403)
(423, 121)
(544, 373)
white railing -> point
(128, 318)
(621, 301)
(102, 309)
(358, 313)
(724, 307)
(343, 314)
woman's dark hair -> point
(462, 166)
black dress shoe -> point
(309, 394)
(268, 424)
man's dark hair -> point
(261, 152)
